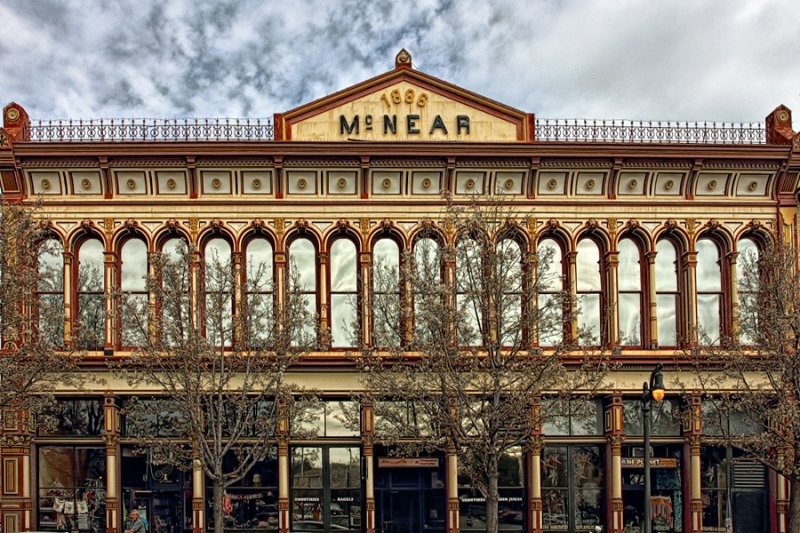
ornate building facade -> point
(646, 221)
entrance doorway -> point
(409, 499)
(326, 489)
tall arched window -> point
(427, 287)
(218, 279)
(344, 294)
(709, 291)
(469, 292)
(386, 304)
(176, 318)
(747, 284)
(589, 291)
(134, 310)
(303, 280)
(667, 296)
(629, 275)
(260, 290)
(50, 293)
(510, 281)
(90, 329)
(550, 286)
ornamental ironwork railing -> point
(237, 129)
(153, 130)
(634, 131)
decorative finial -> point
(402, 59)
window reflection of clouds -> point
(588, 284)
(343, 293)
(666, 292)
(91, 286)
(258, 260)
(550, 272)
(134, 266)
(709, 296)
(630, 287)
(219, 297)
(386, 293)
(509, 277)
(468, 291)
(746, 266)
(302, 257)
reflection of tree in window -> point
(509, 275)
(709, 290)
(550, 272)
(50, 292)
(259, 286)
(386, 305)
(588, 288)
(174, 273)
(303, 270)
(630, 293)
(667, 292)
(218, 292)
(133, 283)
(91, 298)
(427, 271)
(469, 290)
(747, 283)
(344, 288)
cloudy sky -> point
(721, 60)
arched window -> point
(589, 291)
(629, 275)
(303, 282)
(709, 291)
(50, 293)
(134, 310)
(426, 285)
(218, 279)
(386, 304)
(173, 272)
(469, 292)
(344, 294)
(260, 292)
(747, 284)
(510, 282)
(90, 330)
(550, 286)
(667, 296)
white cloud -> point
(724, 60)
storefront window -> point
(511, 508)
(330, 419)
(573, 487)
(74, 417)
(72, 495)
(252, 502)
(666, 418)
(573, 417)
(666, 495)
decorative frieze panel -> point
(133, 182)
(668, 184)
(752, 184)
(590, 184)
(510, 182)
(632, 183)
(171, 182)
(342, 182)
(386, 182)
(426, 182)
(712, 184)
(470, 182)
(216, 182)
(45, 183)
(552, 183)
(301, 182)
(86, 182)
(257, 182)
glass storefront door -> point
(409, 495)
(326, 489)
(666, 494)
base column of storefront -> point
(198, 497)
(614, 434)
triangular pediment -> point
(404, 105)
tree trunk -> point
(492, 500)
(219, 517)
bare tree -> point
(477, 361)
(215, 359)
(751, 379)
(34, 357)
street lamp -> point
(650, 392)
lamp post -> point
(654, 390)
